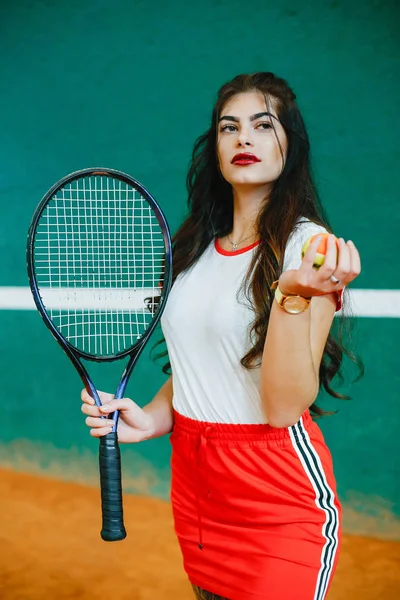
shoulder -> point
(303, 230)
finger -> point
(92, 411)
(113, 405)
(86, 397)
(100, 432)
(105, 397)
(344, 262)
(309, 257)
(354, 258)
(98, 423)
(331, 257)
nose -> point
(244, 139)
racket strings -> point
(99, 256)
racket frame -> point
(108, 443)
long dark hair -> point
(294, 195)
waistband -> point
(225, 432)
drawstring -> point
(200, 527)
(202, 460)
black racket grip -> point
(111, 489)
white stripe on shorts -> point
(324, 500)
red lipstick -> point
(245, 158)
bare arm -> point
(295, 344)
(292, 354)
(161, 411)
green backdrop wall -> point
(130, 85)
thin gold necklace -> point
(236, 244)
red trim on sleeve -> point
(339, 303)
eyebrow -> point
(252, 118)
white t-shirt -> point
(206, 328)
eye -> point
(264, 125)
(228, 128)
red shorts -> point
(255, 509)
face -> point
(247, 146)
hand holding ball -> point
(321, 250)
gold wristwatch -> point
(292, 304)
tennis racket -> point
(100, 266)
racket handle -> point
(111, 489)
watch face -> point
(295, 304)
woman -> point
(247, 327)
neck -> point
(247, 203)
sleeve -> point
(292, 258)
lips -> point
(245, 158)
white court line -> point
(20, 298)
(364, 303)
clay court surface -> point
(50, 549)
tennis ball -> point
(321, 250)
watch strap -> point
(281, 298)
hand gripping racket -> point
(100, 266)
